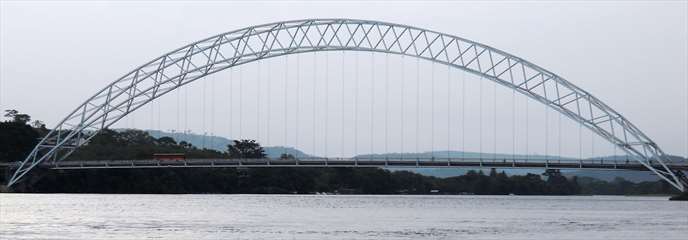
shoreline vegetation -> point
(321, 181)
(19, 135)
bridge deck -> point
(598, 164)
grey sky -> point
(631, 55)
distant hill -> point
(198, 140)
(632, 176)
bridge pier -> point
(6, 175)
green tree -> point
(17, 117)
(245, 148)
(38, 124)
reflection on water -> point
(73, 216)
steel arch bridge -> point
(207, 56)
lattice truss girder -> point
(216, 53)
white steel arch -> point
(213, 54)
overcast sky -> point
(631, 55)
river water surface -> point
(96, 216)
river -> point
(101, 216)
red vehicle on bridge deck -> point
(169, 156)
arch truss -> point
(210, 55)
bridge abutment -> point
(681, 197)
